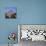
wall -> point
(28, 12)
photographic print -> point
(10, 12)
(33, 32)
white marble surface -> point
(15, 44)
